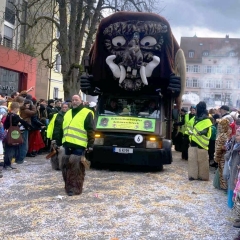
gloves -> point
(90, 149)
(85, 82)
(174, 85)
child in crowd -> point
(13, 151)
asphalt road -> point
(115, 205)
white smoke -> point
(190, 98)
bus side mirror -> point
(175, 114)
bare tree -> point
(76, 21)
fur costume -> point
(73, 172)
(56, 160)
(220, 149)
(198, 165)
(137, 52)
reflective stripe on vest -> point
(186, 120)
(51, 126)
(189, 125)
(201, 140)
(181, 128)
(73, 128)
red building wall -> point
(22, 63)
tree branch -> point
(50, 65)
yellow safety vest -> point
(181, 128)
(73, 128)
(201, 140)
(51, 126)
(187, 120)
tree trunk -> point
(92, 30)
(70, 85)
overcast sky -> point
(206, 18)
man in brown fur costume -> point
(78, 135)
(199, 129)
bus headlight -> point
(152, 144)
(98, 140)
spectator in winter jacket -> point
(55, 126)
(13, 151)
(50, 109)
(26, 113)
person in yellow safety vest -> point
(185, 142)
(180, 124)
(199, 129)
(55, 125)
(78, 135)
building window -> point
(209, 83)
(8, 37)
(219, 69)
(195, 83)
(58, 63)
(55, 92)
(217, 97)
(229, 70)
(228, 84)
(218, 84)
(192, 83)
(9, 12)
(191, 54)
(196, 68)
(205, 53)
(228, 96)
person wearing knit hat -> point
(199, 129)
(50, 109)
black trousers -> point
(211, 149)
(185, 146)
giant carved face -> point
(134, 50)
(133, 46)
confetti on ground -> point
(115, 205)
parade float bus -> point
(137, 70)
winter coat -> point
(58, 128)
(233, 156)
(15, 121)
(27, 113)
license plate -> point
(123, 150)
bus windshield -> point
(127, 106)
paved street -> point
(114, 205)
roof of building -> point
(214, 47)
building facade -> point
(213, 69)
(17, 70)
